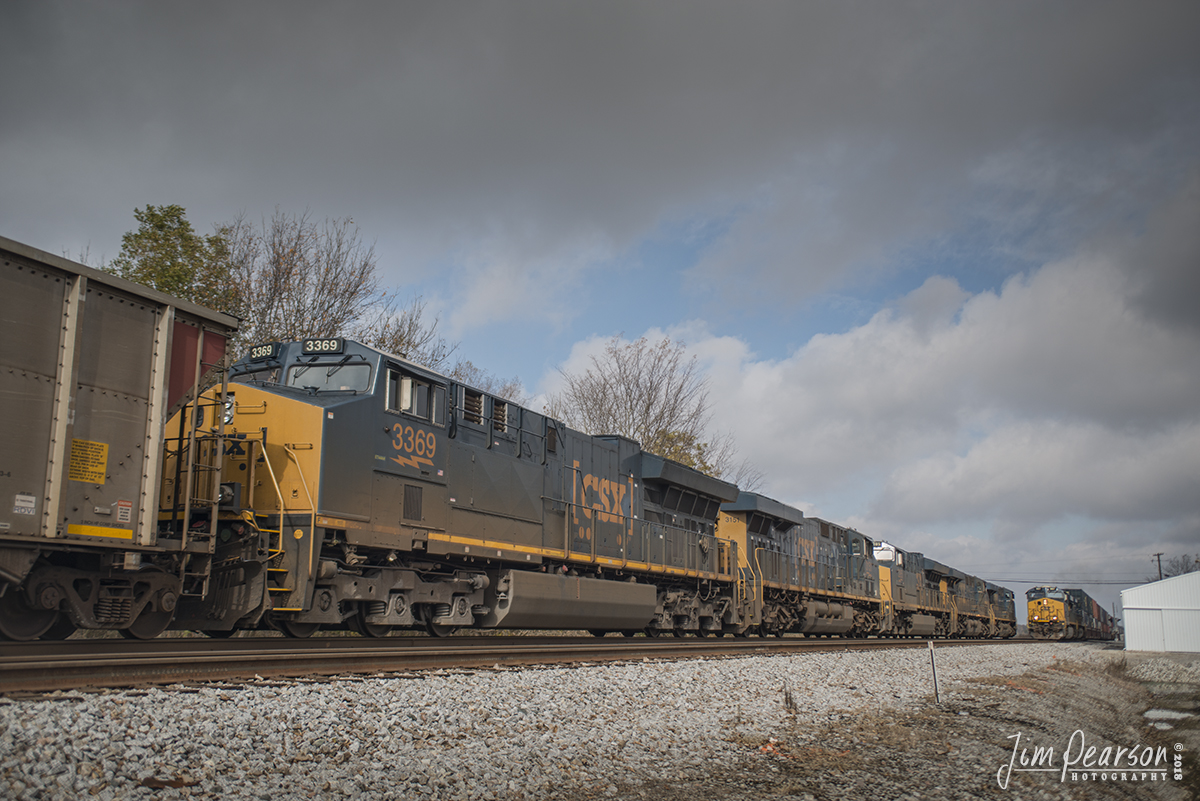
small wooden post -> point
(933, 664)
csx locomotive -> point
(325, 484)
(1058, 614)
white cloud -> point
(1050, 398)
(1040, 471)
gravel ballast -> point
(745, 727)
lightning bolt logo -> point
(414, 461)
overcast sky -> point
(940, 260)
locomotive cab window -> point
(331, 376)
(415, 396)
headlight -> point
(229, 404)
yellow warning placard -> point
(89, 461)
(100, 531)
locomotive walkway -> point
(76, 664)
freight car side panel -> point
(83, 396)
(113, 431)
(31, 308)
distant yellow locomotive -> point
(1070, 614)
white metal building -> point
(1163, 615)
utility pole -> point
(1159, 557)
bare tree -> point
(1178, 565)
(297, 279)
(407, 333)
(653, 393)
(509, 388)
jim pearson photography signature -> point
(1080, 762)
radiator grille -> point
(412, 503)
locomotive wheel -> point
(60, 629)
(219, 634)
(359, 623)
(149, 624)
(297, 630)
(439, 630)
(20, 621)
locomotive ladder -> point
(195, 582)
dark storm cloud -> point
(1164, 267)
(831, 135)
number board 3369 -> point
(328, 345)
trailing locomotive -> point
(809, 575)
(325, 484)
(1058, 614)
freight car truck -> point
(91, 367)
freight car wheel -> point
(20, 621)
(219, 634)
(598, 632)
(60, 629)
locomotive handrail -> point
(312, 508)
(278, 492)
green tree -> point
(166, 253)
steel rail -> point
(46, 667)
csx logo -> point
(605, 499)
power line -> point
(1055, 561)
(1067, 580)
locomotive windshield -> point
(268, 375)
(330, 376)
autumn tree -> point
(653, 393)
(166, 253)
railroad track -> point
(76, 664)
